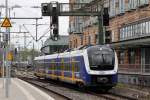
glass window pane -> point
(149, 27)
(146, 26)
(138, 29)
(143, 28)
(131, 30)
(122, 33)
(128, 31)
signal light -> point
(108, 37)
(106, 17)
(16, 51)
(55, 32)
(45, 9)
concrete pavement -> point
(20, 90)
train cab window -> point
(101, 58)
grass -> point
(121, 85)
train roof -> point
(75, 52)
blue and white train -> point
(91, 66)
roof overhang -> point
(137, 42)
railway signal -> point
(55, 9)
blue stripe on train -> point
(67, 74)
(115, 78)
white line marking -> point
(37, 90)
(26, 93)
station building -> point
(51, 46)
(83, 30)
(129, 34)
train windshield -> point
(101, 59)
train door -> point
(73, 69)
(62, 68)
(52, 65)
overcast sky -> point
(27, 11)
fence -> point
(143, 69)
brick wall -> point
(118, 21)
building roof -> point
(63, 40)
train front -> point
(102, 66)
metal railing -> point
(143, 69)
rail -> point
(72, 92)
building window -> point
(131, 30)
(144, 28)
(70, 44)
(143, 2)
(132, 4)
(121, 6)
(96, 38)
(122, 56)
(135, 30)
(121, 34)
(112, 8)
(147, 27)
(89, 40)
(132, 56)
(81, 40)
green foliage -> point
(28, 53)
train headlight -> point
(102, 79)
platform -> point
(20, 90)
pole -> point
(18, 66)
(25, 37)
(101, 31)
(36, 28)
(33, 53)
(2, 48)
(25, 46)
(7, 50)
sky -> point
(26, 10)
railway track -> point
(70, 92)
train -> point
(87, 66)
